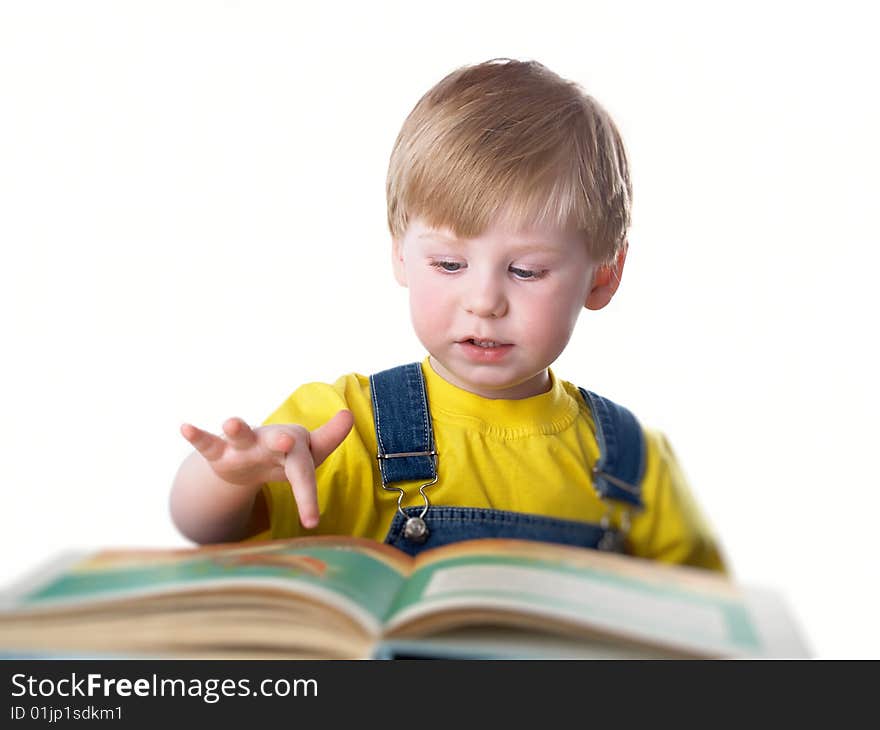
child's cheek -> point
(427, 301)
(551, 320)
(428, 289)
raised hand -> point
(283, 452)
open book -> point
(325, 597)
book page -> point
(358, 577)
(684, 609)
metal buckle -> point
(403, 454)
(617, 482)
(415, 528)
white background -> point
(192, 223)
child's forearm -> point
(208, 509)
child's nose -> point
(486, 299)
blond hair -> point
(511, 141)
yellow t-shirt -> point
(528, 455)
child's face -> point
(496, 310)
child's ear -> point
(606, 279)
(397, 261)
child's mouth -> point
(484, 351)
(484, 343)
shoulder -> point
(616, 427)
(661, 461)
(311, 404)
(590, 402)
(656, 445)
(658, 460)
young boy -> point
(508, 204)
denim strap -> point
(403, 425)
(618, 472)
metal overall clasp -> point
(415, 529)
(613, 540)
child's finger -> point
(238, 433)
(279, 438)
(324, 439)
(300, 471)
(207, 444)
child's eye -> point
(526, 273)
(448, 266)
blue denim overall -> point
(406, 452)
